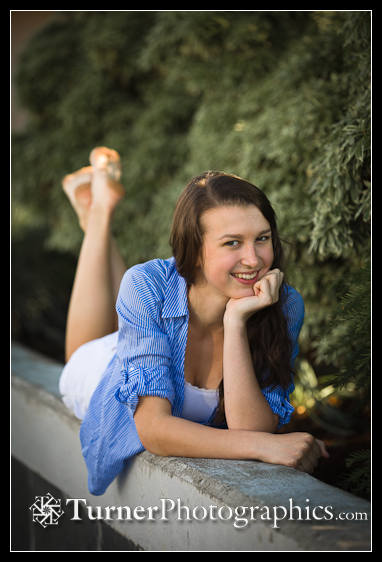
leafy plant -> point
(357, 479)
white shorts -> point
(83, 372)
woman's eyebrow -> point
(241, 236)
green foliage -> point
(281, 98)
(348, 340)
(357, 478)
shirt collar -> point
(175, 299)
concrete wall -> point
(174, 504)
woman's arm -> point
(165, 435)
(245, 405)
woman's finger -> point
(322, 447)
(306, 465)
(263, 287)
(274, 278)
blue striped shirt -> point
(152, 307)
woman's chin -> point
(241, 292)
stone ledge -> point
(45, 439)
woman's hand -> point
(266, 292)
(298, 450)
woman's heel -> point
(106, 187)
(77, 187)
(108, 160)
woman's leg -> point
(100, 268)
(90, 313)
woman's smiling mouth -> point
(246, 278)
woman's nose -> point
(250, 257)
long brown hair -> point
(267, 329)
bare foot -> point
(77, 187)
(95, 185)
(107, 191)
(107, 159)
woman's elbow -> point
(275, 423)
(150, 437)
(153, 445)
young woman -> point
(201, 363)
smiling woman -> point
(249, 254)
(202, 362)
(216, 203)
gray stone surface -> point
(45, 439)
(36, 368)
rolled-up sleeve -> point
(143, 347)
(278, 399)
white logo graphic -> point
(46, 510)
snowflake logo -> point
(46, 510)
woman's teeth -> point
(245, 275)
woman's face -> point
(237, 240)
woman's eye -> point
(235, 243)
(263, 238)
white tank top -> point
(199, 403)
(86, 366)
